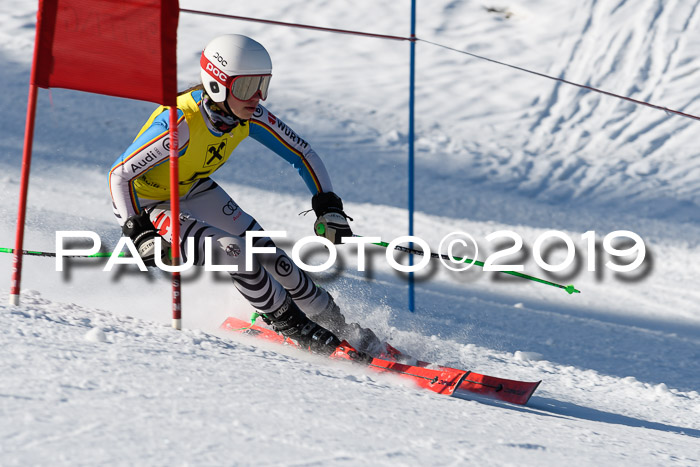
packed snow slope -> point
(92, 374)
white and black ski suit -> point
(139, 179)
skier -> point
(213, 118)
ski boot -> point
(366, 340)
(292, 323)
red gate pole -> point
(175, 217)
(24, 180)
(23, 190)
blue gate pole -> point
(411, 103)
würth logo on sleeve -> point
(215, 153)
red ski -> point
(443, 380)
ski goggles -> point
(243, 87)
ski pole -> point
(49, 254)
(570, 289)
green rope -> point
(570, 289)
(51, 254)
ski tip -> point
(537, 385)
(571, 289)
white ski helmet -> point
(229, 56)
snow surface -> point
(93, 374)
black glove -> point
(142, 232)
(332, 221)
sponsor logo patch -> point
(283, 266)
(215, 154)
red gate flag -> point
(123, 48)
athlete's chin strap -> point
(220, 120)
